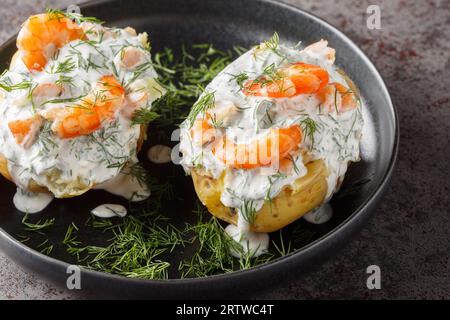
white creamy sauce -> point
(159, 154)
(253, 244)
(73, 166)
(109, 211)
(126, 185)
(319, 215)
(335, 141)
(31, 202)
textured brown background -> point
(409, 237)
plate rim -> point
(278, 263)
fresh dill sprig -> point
(70, 238)
(294, 164)
(99, 223)
(135, 251)
(63, 100)
(62, 80)
(143, 116)
(153, 270)
(240, 79)
(91, 64)
(186, 77)
(335, 101)
(138, 71)
(248, 211)
(137, 171)
(6, 85)
(206, 102)
(273, 42)
(271, 71)
(282, 249)
(45, 247)
(213, 254)
(309, 127)
(65, 66)
(40, 225)
(216, 123)
(77, 17)
(45, 137)
(272, 179)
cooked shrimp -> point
(44, 91)
(277, 145)
(282, 88)
(86, 117)
(25, 131)
(130, 58)
(41, 35)
(298, 78)
(337, 97)
(202, 132)
(321, 50)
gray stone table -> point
(409, 236)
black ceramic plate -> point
(225, 23)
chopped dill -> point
(137, 171)
(77, 17)
(248, 211)
(70, 238)
(65, 66)
(282, 249)
(294, 164)
(143, 116)
(62, 80)
(138, 71)
(45, 137)
(6, 85)
(201, 106)
(309, 127)
(40, 225)
(63, 100)
(272, 179)
(273, 42)
(240, 79)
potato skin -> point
(289, 205)
(33, 186)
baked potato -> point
(292, 106)
(305, 194)
(68, 104)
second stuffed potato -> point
(271, 137)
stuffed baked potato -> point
(271, 137)
(68, 103)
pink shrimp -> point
(337, 97)
(83, 119)
(25, 131)
(41, 35)
(298, 78)
(259, 152)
